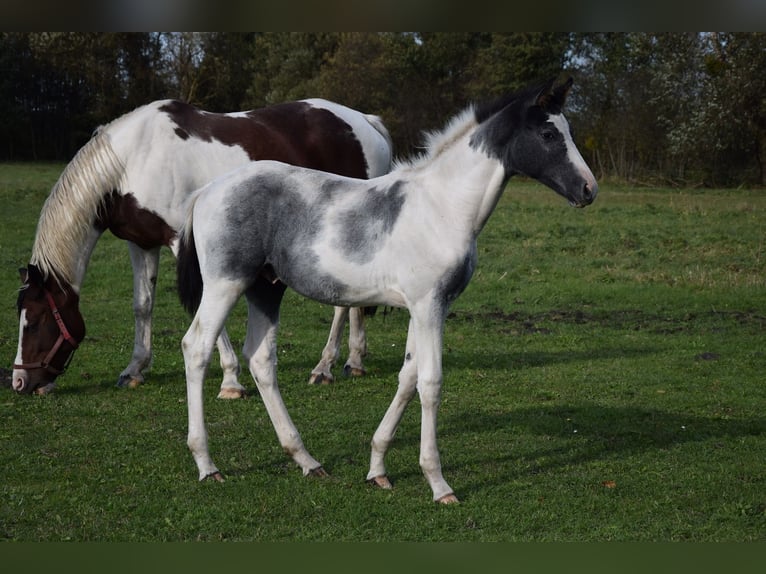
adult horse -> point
(405, 239)
(134, 178)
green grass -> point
(604, 380)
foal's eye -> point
(548, 136)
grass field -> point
(604, 380)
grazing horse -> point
(405, 239)
(134, 178)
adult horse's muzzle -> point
(35, 381)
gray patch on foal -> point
(273, 225)
(365, 228)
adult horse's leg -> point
(384, 434)
(357, 343)
(197, 345)
(145, 264)
(322, 373)
(260, 352)
(230, 386)
(357, 346)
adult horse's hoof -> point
(320, 379)
(381, 482)
(350, 371)
(448, 499)
(230, 393)
(45, 389)
(129, 382)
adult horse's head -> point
(530, 135)
(50, 329)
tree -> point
(732, 120)
(286, 65)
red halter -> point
(64, 335)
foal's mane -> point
(436, 142)
(71, 207)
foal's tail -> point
(188, 274)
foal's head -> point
(50, 329)
(529, 134)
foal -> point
(405, 239)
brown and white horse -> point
(134, 178)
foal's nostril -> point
(589, 192)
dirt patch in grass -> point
(521, 322)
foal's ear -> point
(553, 99)
(543, 95)
(23, 274)
(560, 92)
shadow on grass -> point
(589, 432)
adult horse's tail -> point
(188, 275)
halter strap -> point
(64, 335)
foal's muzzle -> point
(587, 196)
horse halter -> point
(64, 335)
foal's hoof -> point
(217, 476)
(231, 393)
(320, 379)
(448, 499)
(318, 471)
(381, 482)
(350, 371)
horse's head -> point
(530, 135)
(50, 329)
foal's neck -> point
(469, 181)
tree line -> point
(667, 108)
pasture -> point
(603, 380)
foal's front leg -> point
(425, 337)
(384, 434)
(429, 335)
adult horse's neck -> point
(66, 234)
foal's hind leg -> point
(260, 352)
(197, 344)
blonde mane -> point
(71, 207)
